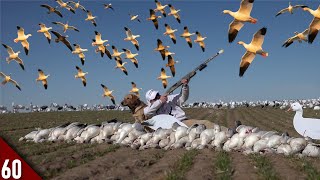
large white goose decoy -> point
(108, 93)
(45, 31)
(66, 26)
(13, 56)
(43, 78)
(52, 9)
(81, 75)
(255, 47)
(298, 37)
(241, 16)
(175, 13)
(307, 127)
(8, 79)
(65, 5)
(290, 9)
(78, 50)
(170, 32)
(160, 8)
(23, 38)
(132, 38)
(314, 26)
(154, 18)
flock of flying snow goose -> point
(240, 18)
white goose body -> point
(307, 127)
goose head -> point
(295, 107)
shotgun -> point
(193, 73)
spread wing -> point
(258, 37)
(246, 60)
(234, 28)
(246, 6)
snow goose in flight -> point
(298, 37)
(108, 6)
(43, 78)
(77, 5)
(170, 32)
(200, 40)
(66, 26)
(62, 39)
(108, 93)
(98, 41)
(102, 49)
(307, 127)
(314, 25)
(163, 77)
(23, 38)
(175, 13)
(154, 18)
(255, 47)
(81, 75)
(186, 34)
(52, 10)
(120, 65)
(290, 9)
(241, 16)
(65, 5)
(45, 31)
(132, 38)
(91, 18)
(160, 8)
(78, 50)
(161, 48)
(131, 56)
(135, 89)
(116, 54)
(134, 17)
(13, 56)
(171, 63)
(167, 53)
(8, 79)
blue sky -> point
(287, 73)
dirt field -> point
(105, 161)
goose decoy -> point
(174, 13)
(187, 35)
(171, 63)
(132, 38)
(298, 37)
(134, 17)
(154, 18)
(108, 93)
(65, 5)
(160, 8)
(116, 54)
(13, 56)
(78, 50)
(161, 48)
(108, 6)
(77, 5)
(52, 9)
(131, 56)
(120, 65)
(91, 18)
(241, 16)
(45, 31)
(135, 89)
(200, 40)
(163, 77)
(62, 39)
(8, 79)
(170, 32)
(81, 75)
(255, 47)
(290, 9)
(66, 26)
(314, 25)
(23, 39)
(43, 78)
